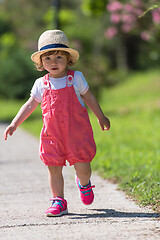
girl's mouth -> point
(54, 69)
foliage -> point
(17, 72)
(85, 23)
(124, 17)
(26, 18)
(93, 7)
(153, 7)
(124, 26)
(17, 75)
(66, 16)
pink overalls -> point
(67, 133)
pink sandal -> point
(86, 192)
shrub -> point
(17, 75)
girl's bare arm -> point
(24, 112)
(92, 103)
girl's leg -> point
(83, 172)
(56, 181)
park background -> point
(119, 46)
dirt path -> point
(24, 197)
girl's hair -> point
(39, 66)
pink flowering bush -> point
(156, 16)
(110, 32)
(114, 6)
(124, 15)
(130, 31)
(124, 18)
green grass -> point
(10, 108)
(129, 153)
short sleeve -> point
(37, 90)
(81, 82)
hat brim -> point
(74, 54)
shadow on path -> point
(110, 213)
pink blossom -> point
(137, 2)
(129, 18)
(114, 6)
(138, 11)
(115, 18)
(110, 32)
(126, 27)
(128, 7)
(145, 36)
(156, 16)
(125, 15)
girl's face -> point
(55, 64)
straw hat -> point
(52, 40)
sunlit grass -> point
(10, 108)
(130, 151)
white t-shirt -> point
(79, 83)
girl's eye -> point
(59, 57)
(47, 58)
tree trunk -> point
(56, 5)
(121, 55)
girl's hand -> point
(9, 130)
(104, 123)
(92, 103)
(24, 112)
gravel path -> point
(24, 197)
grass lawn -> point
(10, 108)
(129, 153)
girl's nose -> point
(53, 61)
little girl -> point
(67, 132)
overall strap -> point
(46, 85)
(70, 77)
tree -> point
(18, 24)
(26, 18)
(124, 23)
